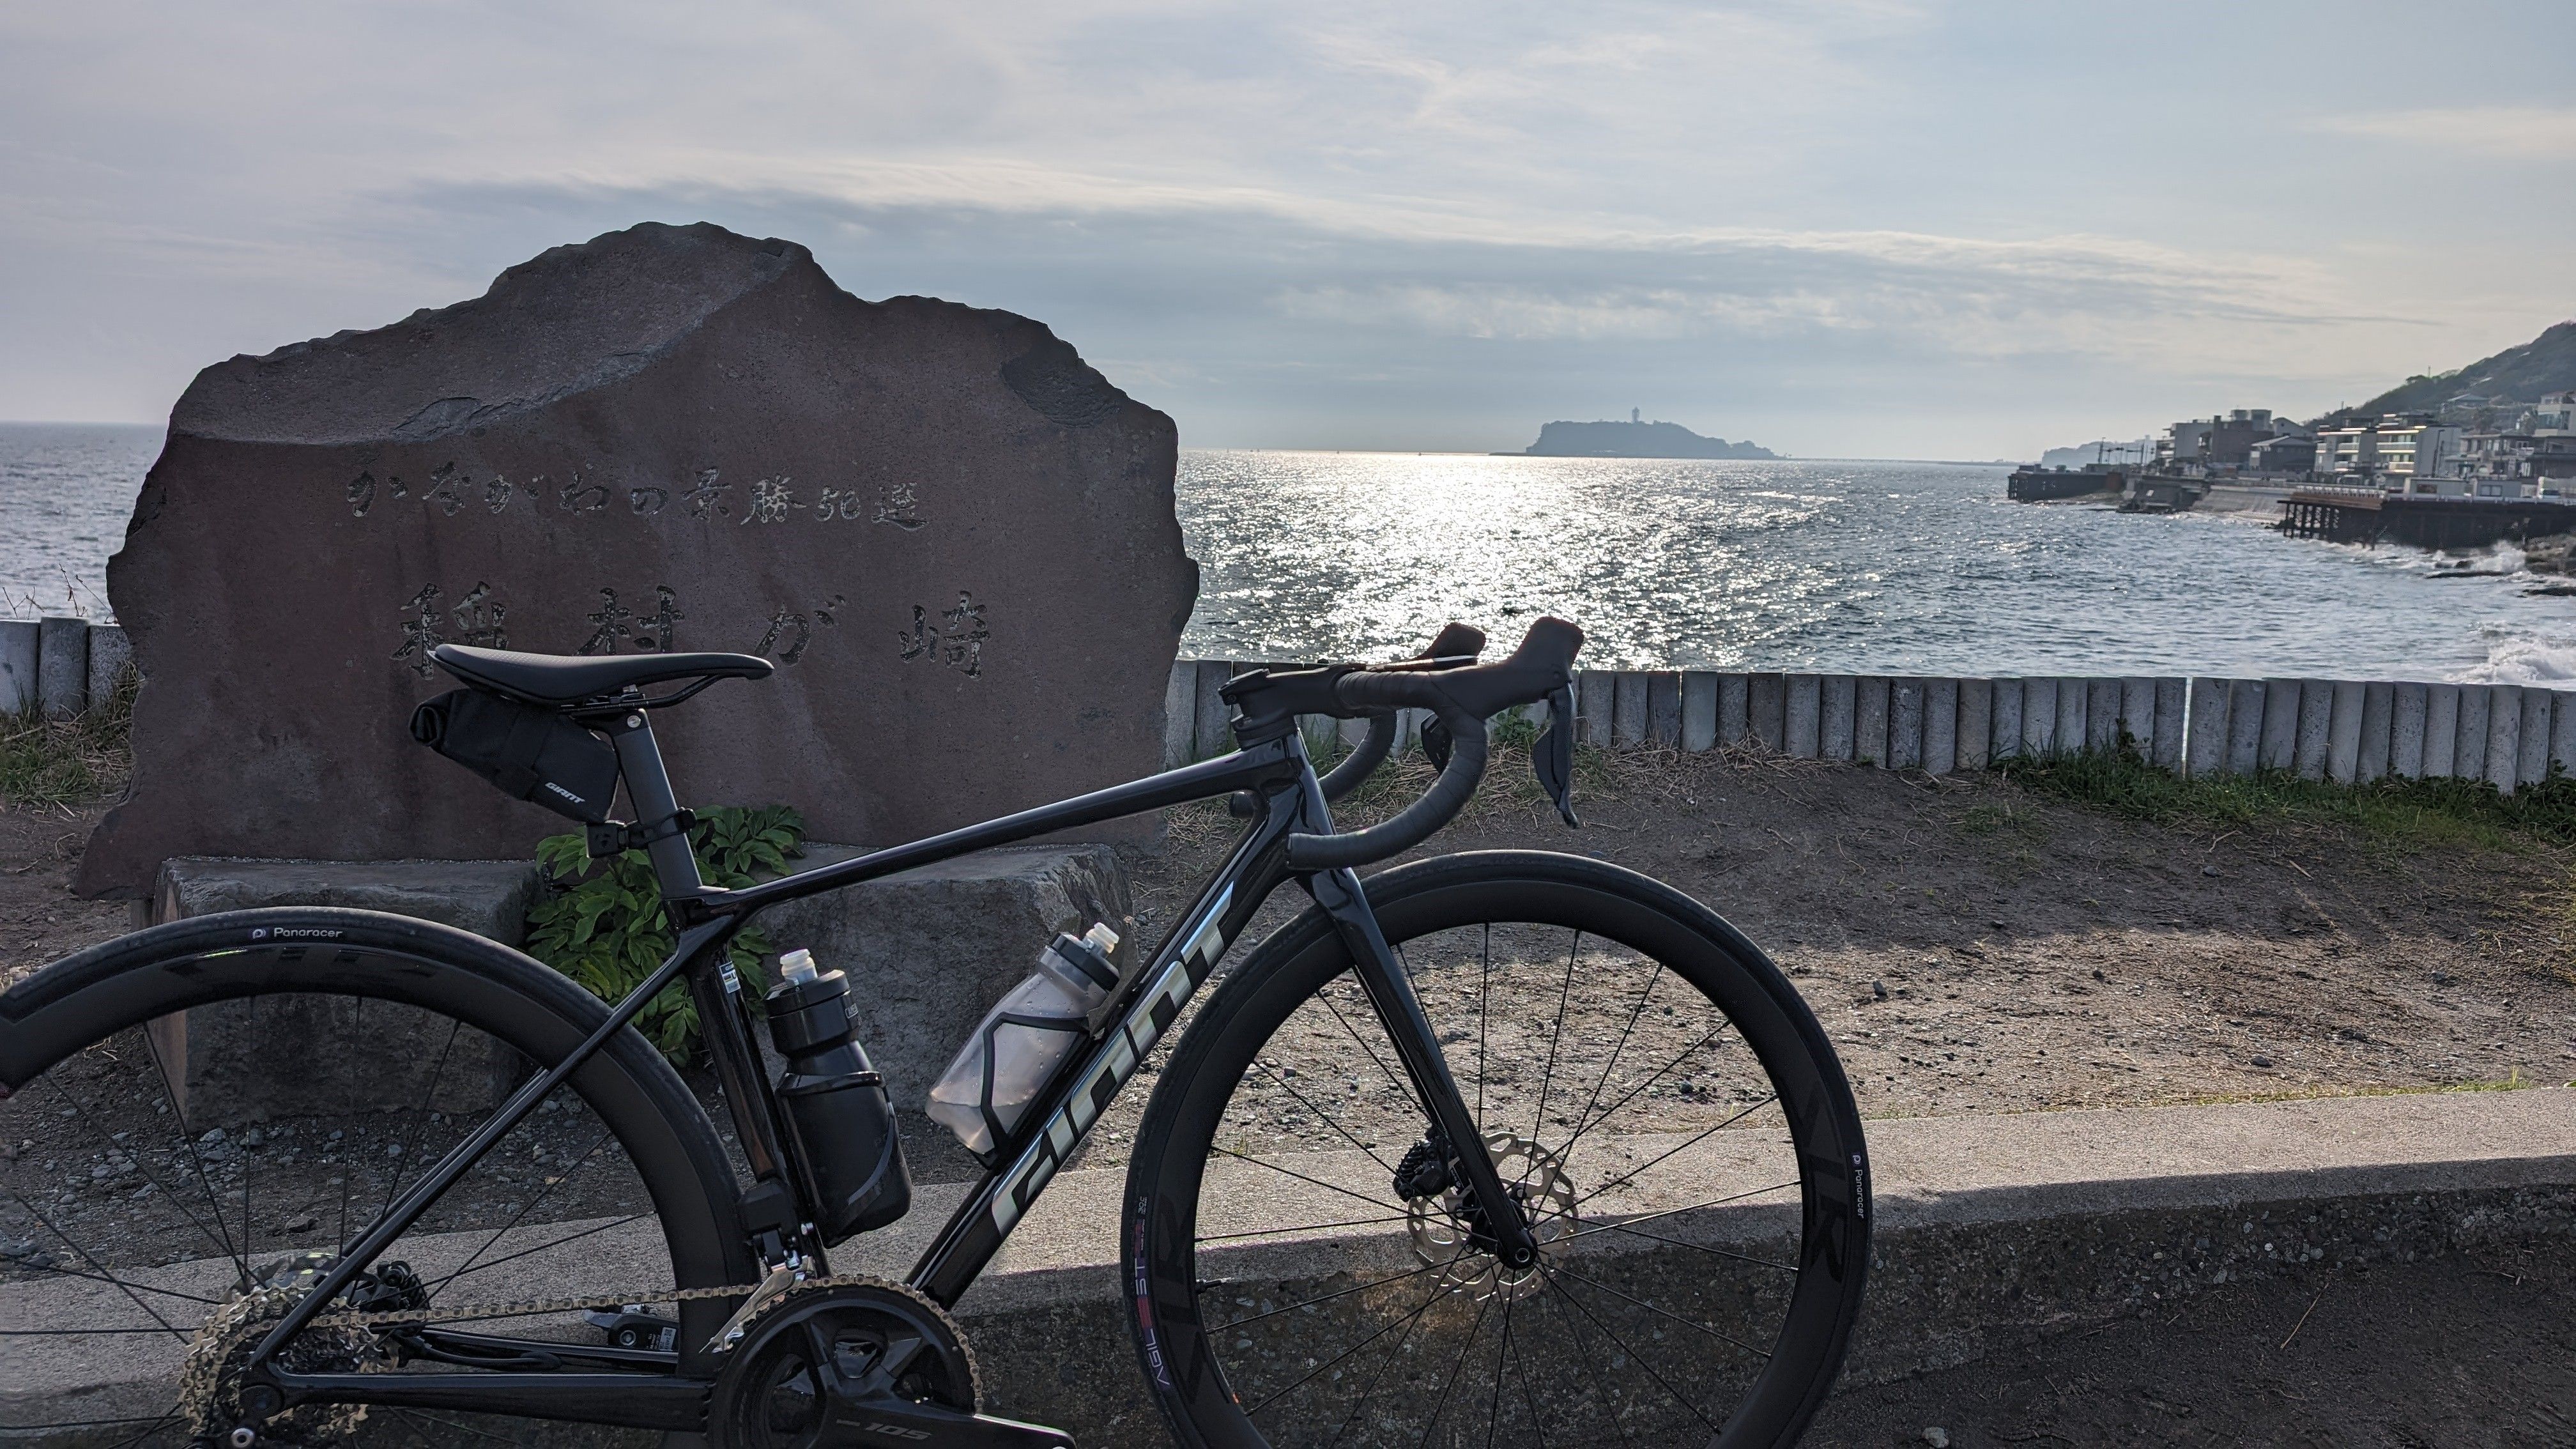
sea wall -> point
(2347, 730)
(2351, 731)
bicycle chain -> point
(224, 1333)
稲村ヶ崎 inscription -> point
(954, 537)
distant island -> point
(1634, 439)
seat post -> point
(648, 789)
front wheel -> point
(1661, 1103)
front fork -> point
(1390, 993)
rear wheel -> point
(1658, 1099)
(198, 1117)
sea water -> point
(1861, 566)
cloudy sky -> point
(1839, 227)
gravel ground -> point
(1972, 947)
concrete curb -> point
(1985, 1226)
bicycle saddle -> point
(569, 679)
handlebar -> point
(1461, 697)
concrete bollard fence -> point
(2347, 731)
(60, 667)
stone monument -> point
(955, 539)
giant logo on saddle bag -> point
(527, 751)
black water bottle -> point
(835, 1104)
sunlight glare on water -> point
(1868, 567)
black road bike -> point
(1503, 1147)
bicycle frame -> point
(1283, 784)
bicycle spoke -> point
(1528, 1396)
(148, 1430)
(1790, 1268)
(454, 1427)
(1631, 1174)
(1651, 1308)
(83, 1115)
(1547, 1078)
(1609, 1403)
(411, 1138)
(541, 1247)
(1385, 1362)
(1581, 1126)
(1326, 1117)
(113, 1281)
(1615, 1053)
(1503, 1346)
(1484, 1014)
(214, 1205)
(1307, 1228)
(515, 1218)
(1301, 1177)
(1441, 1406)
(1388, 1072)
(96, 1267)
(1612, 1334)
(1626, 1223)
(1346, 1353)
(1329, 1297)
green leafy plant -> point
(601, 922)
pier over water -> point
(2368, 515)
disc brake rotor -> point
(1445, 1225)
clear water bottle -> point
(1025, 1039)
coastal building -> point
(2415, 457)
(2289, 454)
(2533, 457)
(2221, 443)
(2349, 453)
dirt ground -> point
(1972, 946)
(40, 919)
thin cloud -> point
(2525, 133)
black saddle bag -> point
(528, 752)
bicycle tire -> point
(79, 1027)
(1213, 1385)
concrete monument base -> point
(927, 952)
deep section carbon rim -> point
(1655, 1096)
(197, 1121)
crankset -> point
(858, 1366)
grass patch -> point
(48, 763)
(2512, 1081)
(2414, 813)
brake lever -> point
(1435, 743)
(1552, 757)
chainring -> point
(210, 1377)
(877, 1335)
